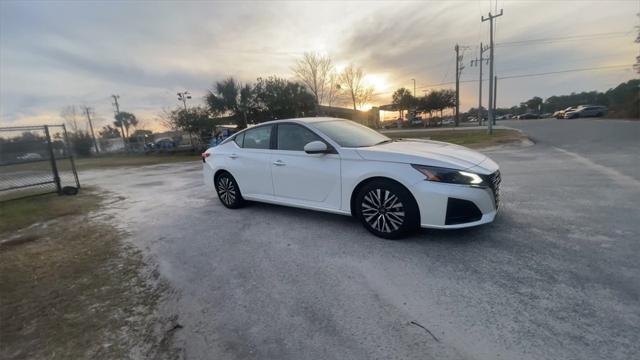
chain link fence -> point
(36, 160)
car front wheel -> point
(228, 191)
(386, 209)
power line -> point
(565, 38)
(534, 74)
(564, 71)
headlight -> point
(450, 176)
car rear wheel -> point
(387, 209)
(228, 191)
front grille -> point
(494, 183)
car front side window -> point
(239, 139)
(294, 137)
(257, 138)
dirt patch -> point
(72, 288)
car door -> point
(250, 161)
(306, 179)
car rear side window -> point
(294, 137)
(257, 138)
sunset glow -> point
(189, 50)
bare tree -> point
(364, 96)
(333, 88)
(314, 70)
(352, 80)
(166, 119)
(72, 116)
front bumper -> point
(435, 198)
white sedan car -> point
(339, 166)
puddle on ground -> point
(151, 183)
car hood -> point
(431, 153)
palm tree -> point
(226, 98)
(403, 100)
(124, 120)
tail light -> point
(205, 155)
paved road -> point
(556, 276)
(612, 143)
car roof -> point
(308, 120)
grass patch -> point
(20, 213)
(470, 138)
(98, 162)
(72, 289)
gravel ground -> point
(556, 276)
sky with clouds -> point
(54, 54)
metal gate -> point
(35, 160)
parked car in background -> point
(334, 165)
(546, 115)
(586, 111)
(560, 113)
(30, 156)
(165, 144)
(416, 121)
(528, 116)
(448, 121)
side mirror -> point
(316, 147)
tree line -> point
(434, 101)
(623, 101)
(316, 82)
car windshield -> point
(350, 134)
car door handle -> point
(279, 163)
(233, 156)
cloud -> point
(54, 54)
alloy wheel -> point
(383, 210)
(226, 190)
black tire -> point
(387, 209)
(228, 191)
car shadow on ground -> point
(333, 221)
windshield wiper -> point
(383, 142)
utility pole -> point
(117, 107)
(414, 88)
(495, 96)
(479, 62)
(87, 111)
(459, 68)
(491, 20)
(457, 49)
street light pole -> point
(414, 87)
(183, 96)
